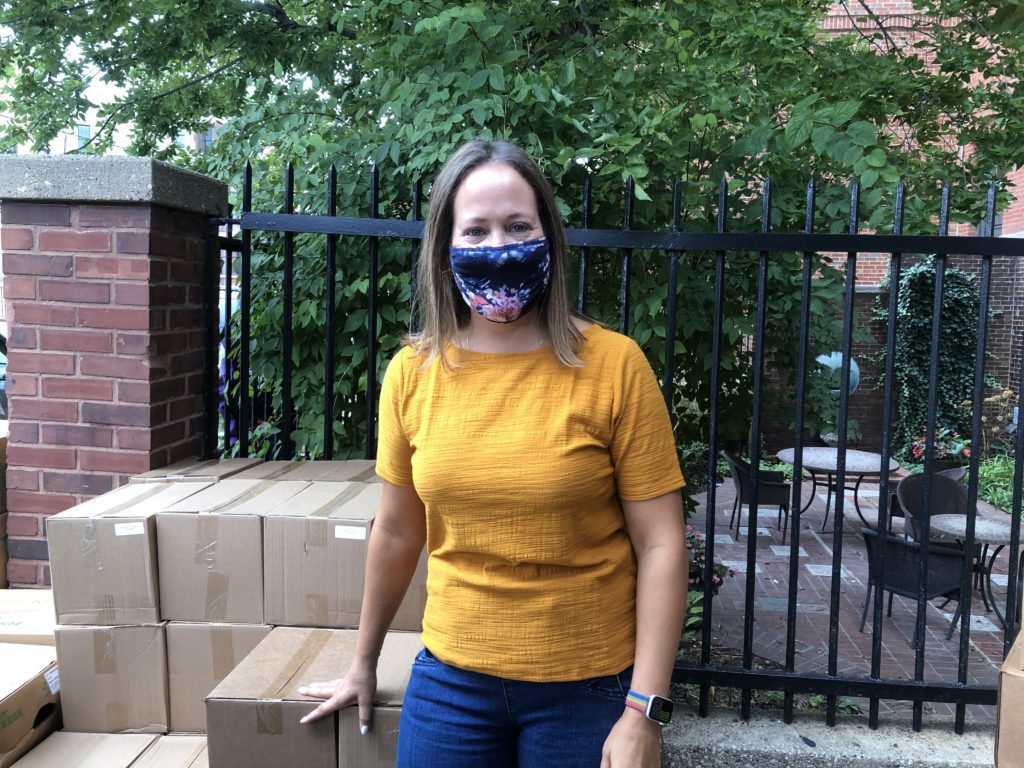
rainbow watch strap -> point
(637, 701)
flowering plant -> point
(949, 445)
(695, 545)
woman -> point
(532, 453)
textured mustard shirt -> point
(520, 462)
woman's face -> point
(494, 206)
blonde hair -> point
(442, 311)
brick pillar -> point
(102, 262)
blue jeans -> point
(452, 718)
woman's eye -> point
(521, 228)
(473, 232)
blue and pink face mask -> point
(501, 283)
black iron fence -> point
(231, 258)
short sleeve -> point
(642, 447)
(394, 453)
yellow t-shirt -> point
(520, 462)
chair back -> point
(903, 565)
(740, 475)
(947, 497)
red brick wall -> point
(104, 305)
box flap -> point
(193, 469)
(27, 616)
(217, 495)
(291, 657)
(87, 750)
(344, 500)
(353, 470)
(267, 497)
(22, 664)
(174, 751)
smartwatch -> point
(656, 708)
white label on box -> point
(53, 680)
(129, 529)
(349, 532)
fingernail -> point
(363, 730)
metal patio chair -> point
(901, 574)
(772, 491)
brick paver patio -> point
(814, 586)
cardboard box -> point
(175, 752)
(253, 715)
(103, 555)
(314, 556)
(29, 698)
(199, 656)
(211, 551)
(194, 470)
(113, 679)
(1009, 746)
(87, 750)
(378, 748)
(26, 616)
(354, 470)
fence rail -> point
(675, 246)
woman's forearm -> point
(396, 542)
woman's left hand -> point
(634, 742)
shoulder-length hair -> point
(442, 311)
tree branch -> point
(162, 95)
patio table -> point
(825, 461)
(987, 532)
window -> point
(83, 135)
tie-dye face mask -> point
(500, 283)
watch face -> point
(660, 709)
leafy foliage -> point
(614, 88)
(957, 339)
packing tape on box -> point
(350, 491)
(196, 754)
(217, 596)
(115, 715)
(223, 651)
(316, 609)
(365, 475)
(315, 532)
(105, 611)
(269, 718)
(89, 546)
(103, 660)
(207, 534)
(316, 639)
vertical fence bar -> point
(226, 341)
(839, 517)
(672, 303)
(371, 322)
(330, 283)
(1013, 574)
(417, 215)
(211, 266)
(287, 405)
(809, 262)
(709, 507)
(245, 402)
(977, 404)
(895, 260)
(929, 458)
(755, 449)
(581, 291)
(627, 260)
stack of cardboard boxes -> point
(163, 586)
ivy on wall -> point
(957, 341)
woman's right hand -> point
(358, 686)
